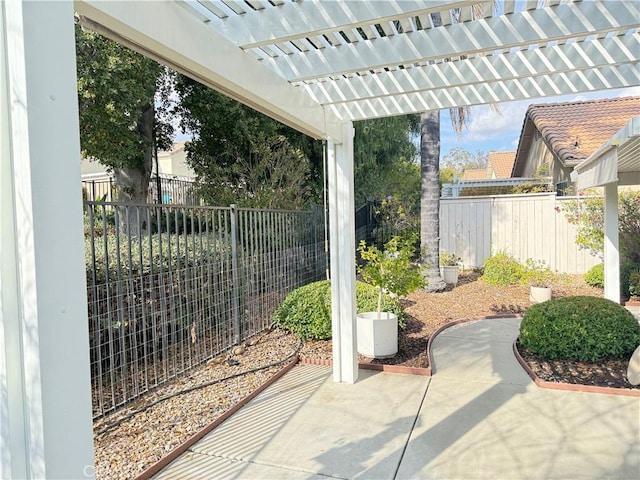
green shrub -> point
(307, 310)
(536, 273)
(595, 276)
(627, 271)
(634, 284)
(502, 269)
(579, 328)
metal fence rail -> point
(190, 284)
(166, 190)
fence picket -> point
(526, 226)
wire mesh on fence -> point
(171, 287)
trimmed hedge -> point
(307, 310)
(579, 328)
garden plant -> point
(306, 311)
(579, 328)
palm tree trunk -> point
(430, 198)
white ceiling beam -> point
(480, 36)
(509, 66)
(166, 32)
(596, 79)
(309, 18)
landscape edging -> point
(183, 447)
(572, 387)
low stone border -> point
(182, 448)
(401, 369)
(572, 387)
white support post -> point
(342, 252)
(45, 387)
(611, 245)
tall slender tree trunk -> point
(132, 182)
(430, 198)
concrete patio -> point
(479, 416)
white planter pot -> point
(377, 337)
(539, 294)
(450, 274)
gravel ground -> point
(132, 439)
(127, 443)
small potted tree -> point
(539, 277)
(390, 271)
(449, 266)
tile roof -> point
(574, 130)
(501, 163)
(474, 174)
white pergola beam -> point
(168, 33)
(45, 383)
(342, 248)
(621, 76)
(305, 19)
(517, 30)
(611, 244)
(480, 70)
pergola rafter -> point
(464, 40)
(610, 54)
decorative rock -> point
(633, 370)
(238, 350)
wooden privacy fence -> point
(525, 226)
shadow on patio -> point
(479, 416)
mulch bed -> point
(606, 373)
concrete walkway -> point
(479, 416)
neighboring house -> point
(175, 175)
(471, 174)
(174, 163)
(558, 136)
(494, 179)
(499, 165)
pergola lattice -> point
(314, 65)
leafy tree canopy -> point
(244, 157)
(384, 158)
(116, 86)
(458, 160)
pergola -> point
(314, 65)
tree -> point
(430, 172)
(460, 159)
(430, 198)
(587, 214)
(382, 148)
(122, 99)
(244, 157)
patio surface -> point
(479, 416)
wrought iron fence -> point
(171, 287)
(166, 190)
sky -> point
(490, 131)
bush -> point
(502, 269)
(579, 328)
(634, 284)
(536, 273)
(595, 276)
(307, 310)
(627, 274)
